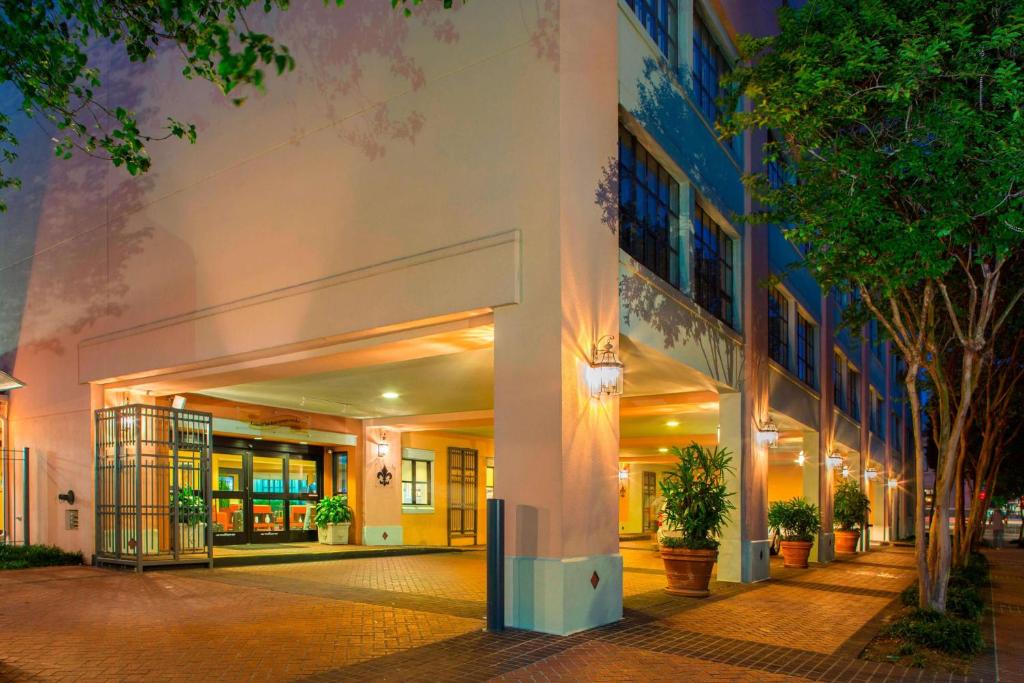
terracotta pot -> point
(794, 553)
(846, 541)
(688, 571)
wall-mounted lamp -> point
(606, 370)
(7, 382)
(383, 447)
(893, 482)
(178, 403)
(623, 478)
(835, 459)
(801, 459)
(846, 470)
(871, 472)
(768, 434)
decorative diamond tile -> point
(594, 580)
(384, 535)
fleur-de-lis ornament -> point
(384, 477)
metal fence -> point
(153, 492)
(14, 517)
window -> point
(805, 350)
(876, 416)
(708, 67)
(778, 327)
(489, 473)
(877, 345)
(659, 20)
(648, 210)
(894, 422)
(340, 473)
(838, 390)
(853, 387)
(712, 264)
(417, 482)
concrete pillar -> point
(381, 503)
(744, 551)
(814, 473)
(819, 488)
(556, 446)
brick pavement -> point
(420, 618)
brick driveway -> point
(421, 618)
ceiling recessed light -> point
(663, 450)
(390, 394)
(258, 438)
(672, 423)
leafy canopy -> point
(902, 122)
(45, 49)
(696, 496)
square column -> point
(556, 445)
(816, 490)
(744, 553)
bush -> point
(794, 519)
(850, 507)
(974, 573)
(696, 497)
(333, 510)
(962, 601)
(940, 632)
(25, 556)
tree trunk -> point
(924, 578)
(960, 525)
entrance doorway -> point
(265, 492)
(461, 494)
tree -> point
(903, 121)
(45, 54)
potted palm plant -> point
(696, 506)
(333, 518)
(850, 507)
(796, 521)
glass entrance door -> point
(265, 492)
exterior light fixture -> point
(672, 423)
(383, 447)
(846, 470)
(178, 403)
(7, 382)
(663, 450)
(624, 474)
(835, 458)
(606, 369)
(390, 395)
(893, 482)
(801, 459)
(871, 472)
(768, 434)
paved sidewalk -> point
(421, 618)
(1007, 603)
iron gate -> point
(153, 492)
(461, 493)
(14, 518)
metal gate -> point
(14, 518)
(153, 492)
(650, 492)
(462, 493)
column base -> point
(563, 596)
(825, 547)
(744, 561)
(382, 535)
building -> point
(389, 278)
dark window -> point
(805, 350)
(712, 266)
(894, 422)
(340, 473)
(648, 210)
(659, 20)
(877, 345)
(708, 67)
(778, 327)
(853, 387)
(876, 415)
(838, 390)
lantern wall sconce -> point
(606, 370)
(893, 482)
(623, 480)
(846, 470)
(871, 473)
(835, 459)
(768, 434)
(801, 459)
(383, 447)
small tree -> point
(796, 519)
(850, 506)
(696, 496)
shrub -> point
(850, 506)
(333, 510)
(973, 573)
(696, 497)
(794, 519)
(940, 632)
(25, 556)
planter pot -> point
(333, 534)
(192, 536)
(794, 553)
(846, 541)
(688, 571)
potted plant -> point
(333, 518)
(796, 521)
(696, 505)
(191, 519)
(850, 507)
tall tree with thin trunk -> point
(904, 123)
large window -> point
(648, 210)
(853, 389)
(838, 389)
(708, 67)
(340, 474)
(805, 350)
(712, 266)
(659, 19)
(778, 327)
(417, 482)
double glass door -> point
(264, 492)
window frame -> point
(660, 19)
(838, 380)
(778, 327)
(806, 370)
(708, 56)
(718, 300)
(334, 473)
(429, 482)
(853, 379)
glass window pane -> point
(267, 474)
(422, 494)
(407, 470)
(267, 515)
(341, 473)
(421, 470)
(227, 472)
(228, 515)
(300, 515)
(406, 493)
(301, 476)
